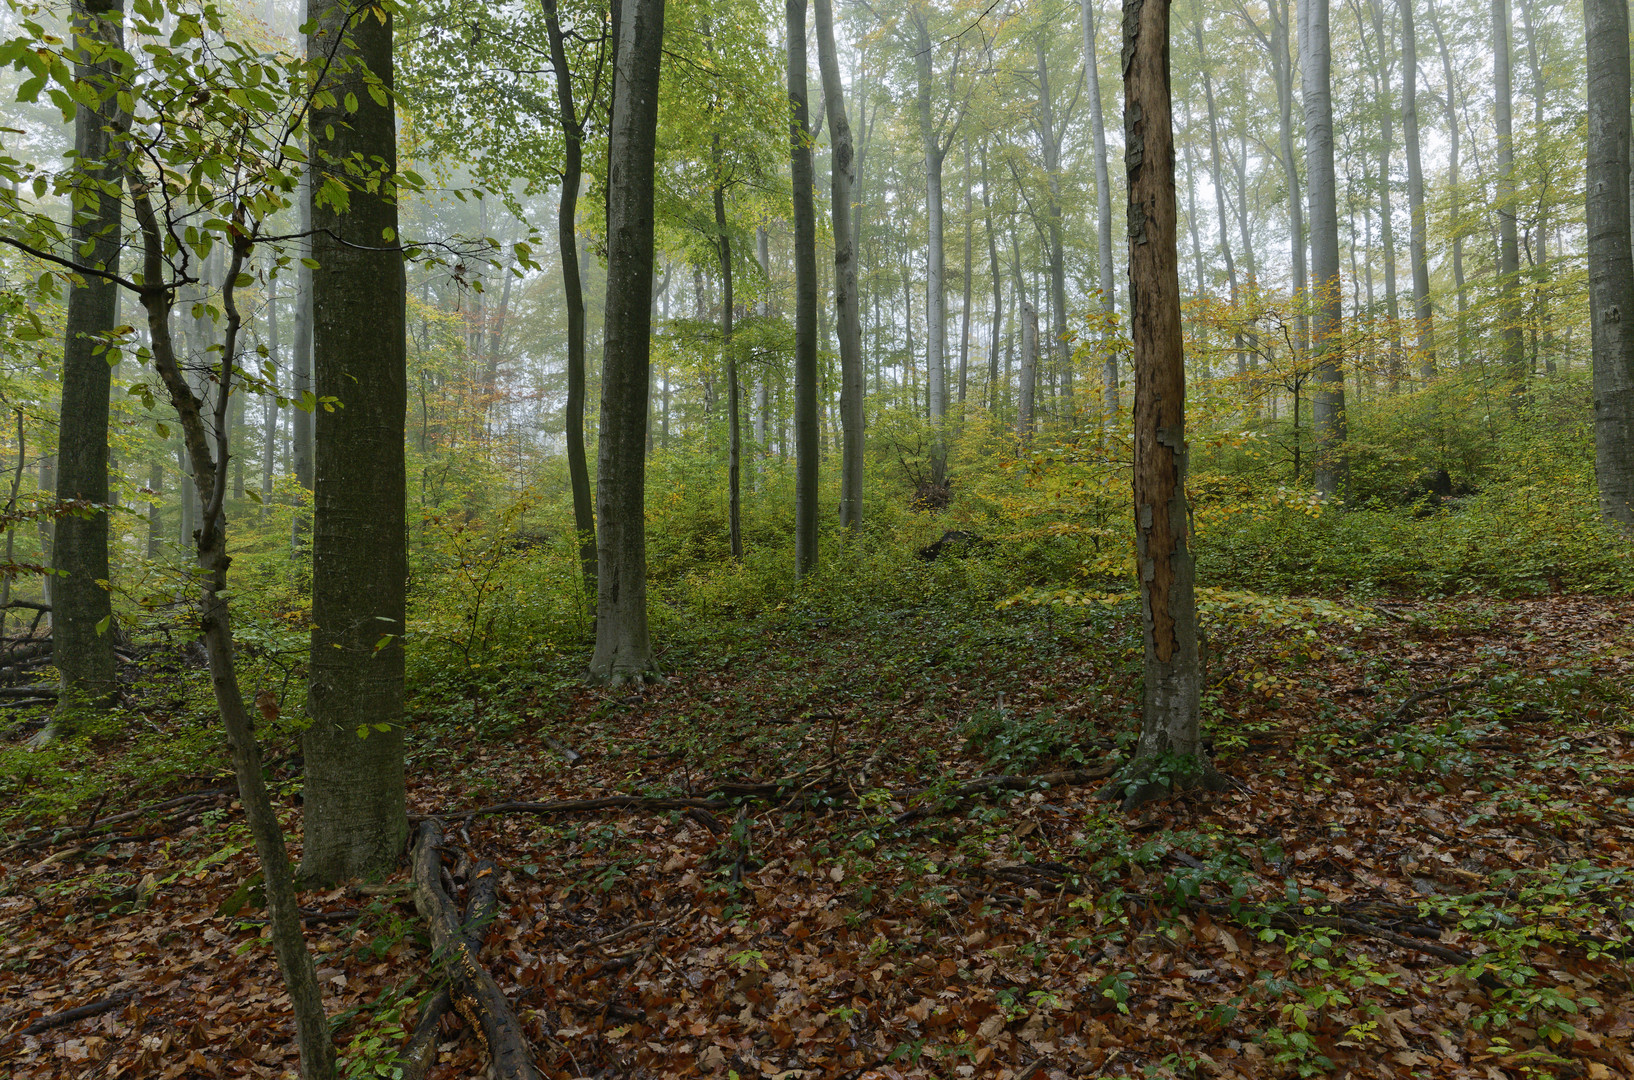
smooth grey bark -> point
(567, 212)
(1387, 233)
(1282, 63)
(1028, 376)
(964, 307)
(935, 150)
(355, 822)
(623, 643)
(1542, 324)
(1328, 397)
(1455, 209)
(807, 441)
(1611, 257)
(1170, 753)
(1103, 220)
(1513, 344)
(998, 289)
(1423, 311)
(763, 392)
(1050, 138)
(156, 520)
(734, 449)
(848, 318)
(82, 607)
(1217, 178)
(45, 527)
(313, 1037)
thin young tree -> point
(1170, 753)
(572, 124)
(623, 643)
(1611, 258)
(355, 821)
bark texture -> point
(623, 644)
(354, 819)
(1103, 219)
(848, 317)
(1513, 342)
(1328, 398)
(1423, 312)
(1170, 753)
(807, 441)
(82, 608)
(1611, 259)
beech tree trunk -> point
(998, 290)
(1028, 377)
(1103, 220)
(1217, 178)
(1449, 100)
(807, 444)
(1423, 313)
(1282, 63)
(1050, 137)
(935, 263)
(82, 608)
(848, 318)
(1513, 343)
(1170, 753)
(567, 244)
(354, 816)
(623, 644)
(1611, 257)
(1328, 397)
(734, 450)
(269, 431)
(1387, 234)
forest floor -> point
(1424, 868)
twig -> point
(81, 1012)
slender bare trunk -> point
(1423, 313)
(1328, 399)
(1103, 219)
(806, 436)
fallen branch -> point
(570, 755)
(1292, 920)
(114, 819)
(1415, 698)
(474, 993)
(35, 691)
(985, 784)
(81, 1012)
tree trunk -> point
(998, 291)
(1217, 178)
(623, 644)
(1509, 259)
(1611, 257)
(1191, 211)
(763, 392)
(806, 437)
(1051, 139)
(1282, 64)
(1328, 399)
(1028, 378)
(734, 450)
(209, 470)
(1423, 313)
(1170, 753)
(354, 817)
(935, 263)
(82, 608)
(848, 318)
(964, 308)
(1450, 101)
(567, 243)
(269, 430)
(1543, 325)
(1387, 236)
(1103, 221)
(301, 354)
(156, 521)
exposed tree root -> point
(473, 992)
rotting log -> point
(474, 993)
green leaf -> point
(103, 624)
